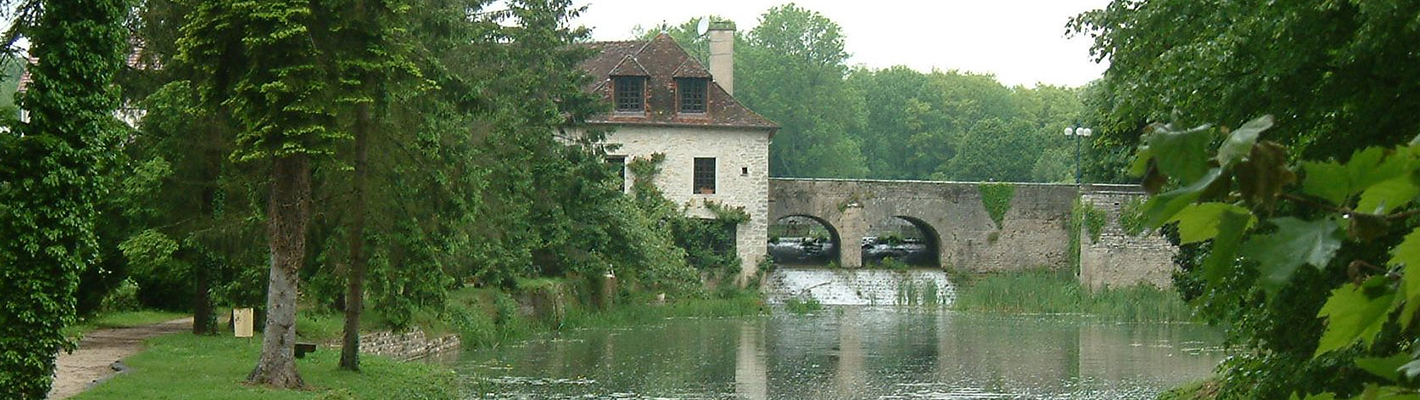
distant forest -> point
(841, 121)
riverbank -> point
(1044, 291)
(184, 366)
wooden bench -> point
(304, 347)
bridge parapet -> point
(1034, 231)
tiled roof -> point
(662, 60)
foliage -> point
(1131, 217)
(51, 179)
(791, 70)
(892, 123)
(996, 197)
(1335, 73)
(1290, 250)
(1085, 217)
(1043, 291)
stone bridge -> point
(951, 215)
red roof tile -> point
(662, 60)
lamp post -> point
(1076, 131)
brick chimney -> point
(722, 54)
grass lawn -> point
(124, 319)
(184, 366)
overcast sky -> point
(1022, 42)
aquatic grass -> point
(802, 306)
(184, 366)
(1058, 292)
(1206, 389)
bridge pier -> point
(852, 226)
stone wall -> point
(870, 287)
(412, 345)
(1034, 232)
(1117, 258)
(741, 175)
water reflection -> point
(853, 353)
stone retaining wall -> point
(1118, 259)
(412, 345)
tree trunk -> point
(355, 293)
(203, 321)
(288, 211)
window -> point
(692, 94)
(630, 93)
(618, 164)
(704, 175)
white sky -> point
(1022, 42)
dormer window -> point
(692, 94)
(630, 93)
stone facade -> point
(741, 175)
(667, 102)
(1117, 258)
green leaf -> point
(1387, 195)
(1232, 225)
(1327, 180)
(1240, 142)
(1373, 165)
(1264, 174)
(1354, 313)
(1385, 367)
(1407, 254)
(1182, 155)
(1159, 209)
(1140, 165)
(1295, 242)
(1199, 222)
(1318, 396)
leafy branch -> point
(1223, 196)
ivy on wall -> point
(1084, 217)
(709, 244)
(1131, 217)
(996, 197)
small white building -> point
(716, 149)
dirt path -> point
(93, 361)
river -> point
(851, 353)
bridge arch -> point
(927, 255)
(779, 237)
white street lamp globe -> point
(1069, 131)
(1084, 132)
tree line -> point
(344, 155)
(842, 121)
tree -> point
(1336, 74)
(791, 71)
(993, 150)
(260, 61)
(1287, 245)
(50, 180)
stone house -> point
(716, 150)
